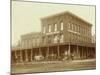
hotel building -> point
(63, 34)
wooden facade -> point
(63, 36)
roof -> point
(61, 44)
(31, 35)
(66, 12)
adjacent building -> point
(30, 40)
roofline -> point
(67, 43)
(66, 12)
(30, 33)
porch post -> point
(15, 56)
(86, 53)
(47, 54)
(58, 52)
(82, 53)
(77, 53)
(21, 56)
(69, 49)
(26, 55)
(40, 53)
(31, 55)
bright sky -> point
(26, 16)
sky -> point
(26, 16)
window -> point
(37, 41)
(55, 39)
(27, 43)
(62, 25)
(23, 44)
(78, 28)
(72, 26)
(33, 42)
(49, 39)
(68, 25)
(75, 27)
(62, 38)
(44, 30)
(55, 27)
(49, 28)
(83, 30)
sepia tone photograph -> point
(52, 37)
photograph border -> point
(47, 3)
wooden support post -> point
(40, 53)
(16, 57)
(31, 55)
(47, 54)
(21, 56)
(58, 52)
(86, 52)
(77, 53)
(69, 50)
(26, 56)
(82, 53)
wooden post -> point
(82, 53)
(40, 53)
(58, 52)
(77, 53)
(86, 53)
(15, 56)
(69, 49)
(47, 54)
(31, 55)
(21, 56)
(26, 55)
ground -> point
(48, 66)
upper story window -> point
(44, 30)
(62, 38)
(78, 28)
(72, 26)
(49, 39)
(62, 25)
(33, 42)
(55, 39)
(55, 27)
(27, 43)
(49, 28)
(68, 25)
(22, 44)
(75, 27)
(83, 30)
(38, 41)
